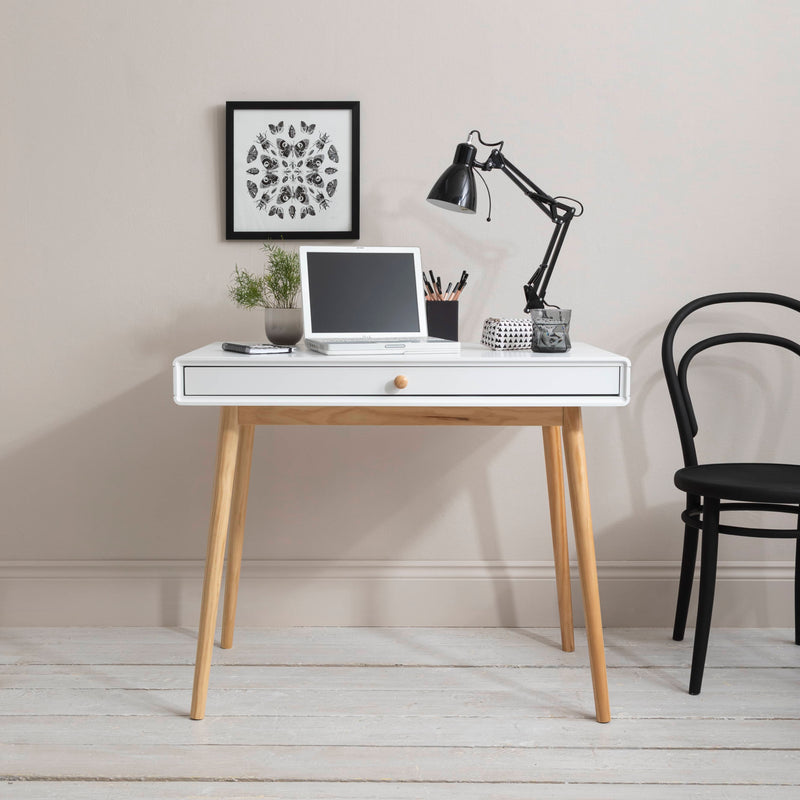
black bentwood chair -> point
(746, 487)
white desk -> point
(479, 386)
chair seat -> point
(753, 483)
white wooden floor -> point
(400, 713)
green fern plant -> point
(277, 287)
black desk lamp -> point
(455, 190)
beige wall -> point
(674, 122)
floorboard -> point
(370, 790)
(402, 714)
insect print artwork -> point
(292, 169)
(293, 155)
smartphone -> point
(256, 349)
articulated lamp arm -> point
(455, 190)
(560, 214)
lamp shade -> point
(455, 189)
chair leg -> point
(686, 581)
(705, 600)
(797, 587)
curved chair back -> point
(676, 378)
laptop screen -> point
(357, 291)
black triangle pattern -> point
(507, 334)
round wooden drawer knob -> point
(401, 381)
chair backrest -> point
(676, 378)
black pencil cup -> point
(442, 319)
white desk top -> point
(477, 376)
(213, 354)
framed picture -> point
(292, 170)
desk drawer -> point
(265, 381)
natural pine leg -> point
(575, 453)
(236, 532)
(558, 524)
(227, 446)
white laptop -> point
(366, 300)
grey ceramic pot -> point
(283, 325)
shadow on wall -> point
(466, 246)
(743, 405)
(113, 483)
(744, 408)
(118, 480)
(131, 480)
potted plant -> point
(276, 290)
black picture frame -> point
(292, 170)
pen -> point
(463, 284)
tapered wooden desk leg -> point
(558, 524)
(227, 446)
(575, 453)
(236, 532)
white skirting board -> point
(402, 593)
